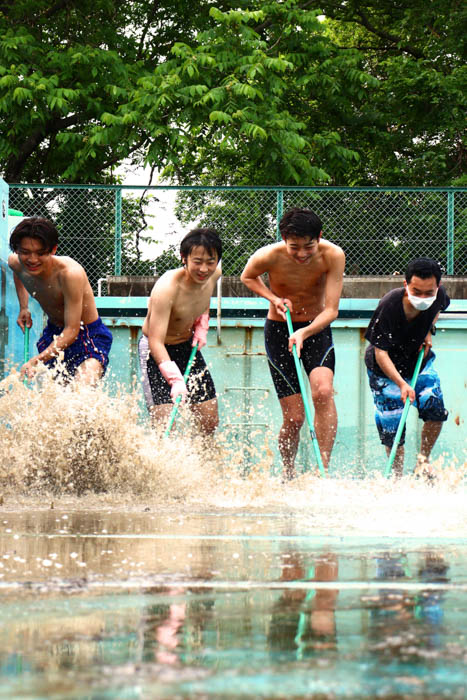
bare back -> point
(65, 286)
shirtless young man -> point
(177, 319)
(62, 288)
(305, 273)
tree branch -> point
(16, 163)
(56, 8)
(149, 21)
(387, 36)
(143, 215)
(118, 158)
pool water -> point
(101, 600)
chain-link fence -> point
(123, 230)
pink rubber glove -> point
(200, 328)
(173, 376)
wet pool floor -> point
(220, 604)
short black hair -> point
(35, 227)
(206, 237)
(423, 268)
(300, 222)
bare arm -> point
(201, 324)
(257, 265)
(24, 316)
(332, 293)
(72, 287)
(160, 308)
(389, 369)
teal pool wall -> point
(249, 410)
(11, 336)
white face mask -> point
(421, 303)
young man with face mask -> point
(402, 322)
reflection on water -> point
(394, 611)
(303, 622)
(407, 629)
(224, 604)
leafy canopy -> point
(245, 92)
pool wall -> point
(11, 336)
(249, 410)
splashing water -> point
(73, 439)
(80, 441)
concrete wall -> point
(354, 287)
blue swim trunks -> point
(389, 407)
(94, 340)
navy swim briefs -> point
(94, 340)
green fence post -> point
(450, 234)
(118, 232)
(279, 210)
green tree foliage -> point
(244, 102)
(412, 129)
(235, 92)
(64, 66)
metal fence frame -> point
(280, 192)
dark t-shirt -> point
(390, 330)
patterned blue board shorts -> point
(94, 340)
(389, 407)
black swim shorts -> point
(200, 384)
(317, 351)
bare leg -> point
(89, 372)
(322, 393)
(160, 415)
(398, 464)
(207, 415)
(430, 432)
(323, 620)
(293, 416)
